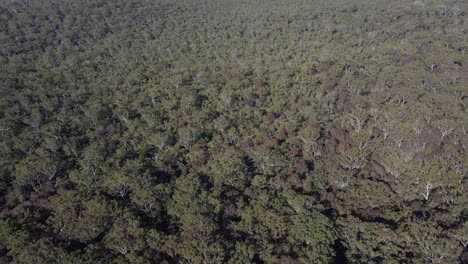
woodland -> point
(233, 131)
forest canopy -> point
(233, 131)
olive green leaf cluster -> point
(230, 131)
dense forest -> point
(233, 131)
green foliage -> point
(231, 131)
(316, 231)
(126, 236)
(81, 218)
